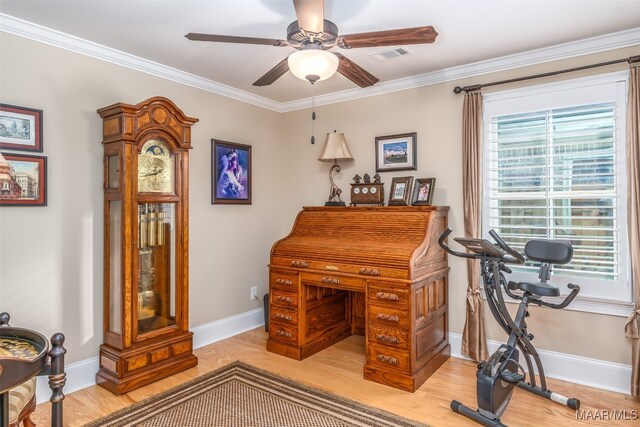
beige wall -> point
(51, 257)
(435, 113)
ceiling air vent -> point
(393, 53)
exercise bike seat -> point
(547, 252)
(540, 289)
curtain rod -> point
(630, 60)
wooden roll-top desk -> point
(372, 271)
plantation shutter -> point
(552, 174)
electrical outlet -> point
(254, 293)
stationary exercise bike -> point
(497, 376)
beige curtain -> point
(474, 341)
(632, 329)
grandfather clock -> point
(146, 235)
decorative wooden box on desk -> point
(372, 271)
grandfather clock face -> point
(156, 168)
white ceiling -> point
(469, 31)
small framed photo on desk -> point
(423, 191)
(400, 191)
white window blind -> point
(554, 169)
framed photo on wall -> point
(20, 128)
(396, 152)
(423, 191)
(23, 180)
(231, 173)
(400, 191)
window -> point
(554, 167)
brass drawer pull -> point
(387, 339)
(331, 280)
(388, 359)
(284, 299)
(387, 296)
(284, 333)
(300, 264)
(388, 317)
(283, 317)
(284, 282)
(370, 271)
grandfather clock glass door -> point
(156, 291)
(146, 281)
(156, 266)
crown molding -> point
(19, 27)
(553, 53)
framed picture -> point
(400, 191)
(20, 128)
(396, 152)
(23, 180)
(423, 191)
(231, 170)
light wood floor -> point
(338, 369)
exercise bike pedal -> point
(511, 377)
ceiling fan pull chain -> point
(313, 112)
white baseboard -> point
(83, 374)
(79, 375)
(224, 328)
(581, 370)
(567, 367)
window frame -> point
(588, 90)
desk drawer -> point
(397, 297)
(283, 316)
(334, 281)
(285, 280)
(388, 357)
(283, 299)
(396, 318)
(389, 337)
(285, 333)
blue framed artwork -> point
(231, 173)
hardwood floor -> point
(338, 369)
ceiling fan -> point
(313, 35)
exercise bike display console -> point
(502, 372)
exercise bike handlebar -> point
(514, 258)
(508, 249)
(446, 247)
(574, 292)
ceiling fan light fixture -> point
(313, 63)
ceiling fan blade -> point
(310, 14)
(273, 74)
(402, 36)
(235, 39)
(354, 72)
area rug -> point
(239, 395)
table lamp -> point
(335, 148)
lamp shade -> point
(313, 62)
(335, 148)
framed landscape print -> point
(396, 152)
(23, 180)
(423, 191)
(231, 170)
(400, 191)
(20, 128)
